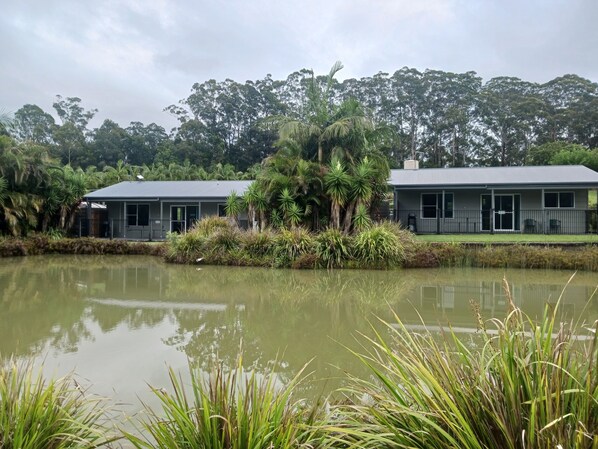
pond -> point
(117, 322)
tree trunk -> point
(349, 216)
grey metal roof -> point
(169, 189)
(467, 177)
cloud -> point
(132, 58)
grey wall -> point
(467, 216)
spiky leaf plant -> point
(51, 414)
(521, 384)
(239, 409)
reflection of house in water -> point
(454, 301)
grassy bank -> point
(519, 383)
(216, 241)
(385, 246)
(43, 244)
(564, 239)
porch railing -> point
(529, 221)
(156, 229)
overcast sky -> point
(130, 59)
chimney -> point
(411, 164)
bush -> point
(378, 247)
(235, 410)
(258, 244)
(208, 225)
(524, 385)
(290, 244)
(36, 414)
(332, 248)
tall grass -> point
(56, 414)
(236, 410)
(523, 385)
(332, 248)
(378, 247)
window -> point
(559, 199)
(222, 210)
(137, 214)
(432, 202)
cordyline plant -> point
(521, 385)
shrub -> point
(258, 243)
(207, 226)
(332, 248)
(292, 243)
(235, 410)
(378, 247)
(56, 414)
(224, 239)
(524, 385)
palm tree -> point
(325, 125)
(338, 184)
(233, 207)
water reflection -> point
(118, 320)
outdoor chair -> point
(555, 225)
(530, 225)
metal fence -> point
(156, 229)
(529, 221)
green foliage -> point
(332, 248)
(238, 409)
(258, 244)
(525, 384)
(54, 414)
(234, 206)
(378, 246)
(208, 225)
(292, 243)
(361, 219)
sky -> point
(132, 58)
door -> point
(486, 212)
(503, 213)
(177, 219)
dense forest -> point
(319, 148)
(441, 118)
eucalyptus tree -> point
(572, 102)
(507, 109)
(32, 123)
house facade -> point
(148, 210)
(547, 199)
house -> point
(147, 210)
(548, 199)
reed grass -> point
(521, 385)
(54, 414)
(232, 410)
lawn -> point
(510, 238)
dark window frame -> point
(429, 210)
(135, 218)
(560, 199)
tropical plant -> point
(234, 207)
(523, 384)
(378, 247)
(338, 184)
(292, 243)
(234, 410)
(332, 248)
(57, 414)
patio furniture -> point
(530, 225)
(554, 225)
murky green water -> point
(118, 321)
